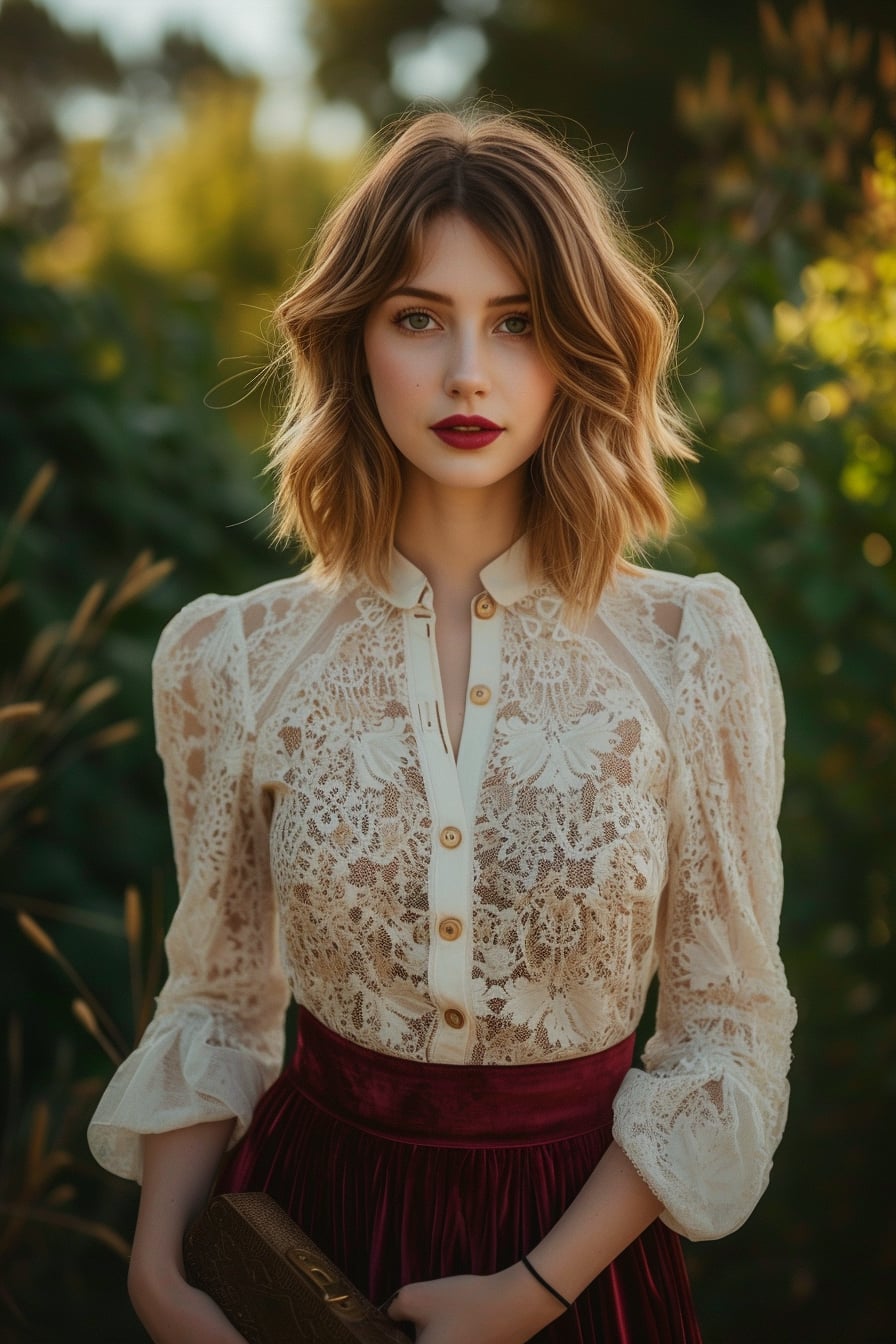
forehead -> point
(453, 246)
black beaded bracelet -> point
(544, 1283)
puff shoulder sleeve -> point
(702, 1120)
(216, 1040)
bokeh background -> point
(162, 167)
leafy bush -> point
(105, 461)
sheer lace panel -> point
(715, 1093)
(351, 833)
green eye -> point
(417, 321)
(516, 325)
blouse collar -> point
(506, 578)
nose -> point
(466, 374)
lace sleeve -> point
(216, 1040)
(701, 1122)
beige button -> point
(450, 928)
(480, 695)
(485, 607)
(450, 837)
(454, 1018)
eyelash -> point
(399, 318)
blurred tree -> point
(211, 222)
(611, 67)
(40, 63)
(45, 71)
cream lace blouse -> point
(611, 813)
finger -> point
(394, 1307)
(384, 1306)
(400, 1307)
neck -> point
(451, 535)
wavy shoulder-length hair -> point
(604, 325)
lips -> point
(467, 431)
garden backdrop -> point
(753, 151)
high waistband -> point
(456, 1105)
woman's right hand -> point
(174, 1312)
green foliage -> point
(790, 372)
(140, 467)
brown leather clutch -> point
(272, 1282)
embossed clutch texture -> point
(272, 1282)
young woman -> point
(462, 788)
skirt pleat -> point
(403, 1171)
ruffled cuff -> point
(176, 1077)
(703, 1146)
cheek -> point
(392, 374)
(533, 372)
(542, 387)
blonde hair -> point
(603, 324)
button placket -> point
(451, 950)
(486, 637)
(450, 863)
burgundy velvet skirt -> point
(403, 1171)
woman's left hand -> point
(504, 1308)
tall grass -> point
(54, 709)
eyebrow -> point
(500, 301)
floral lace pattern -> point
(621, 821)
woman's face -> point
(461, 387)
